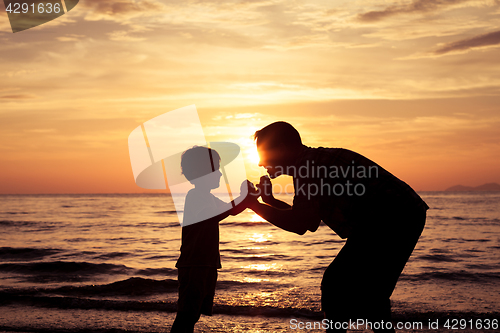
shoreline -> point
(20, 318)
(63, 303)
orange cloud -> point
(416, 6)
(18, 96)
(491, 39)
(117, 10)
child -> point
(199, 260)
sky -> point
(412, 84)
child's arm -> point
(237, 206)
(233, 208)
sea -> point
(106, 263)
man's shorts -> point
(196, 289)
(367, 268)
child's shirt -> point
(200, 240)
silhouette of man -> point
(381, 217)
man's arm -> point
(287, 219)
(281, 214)
(277, 203)
(266, 193)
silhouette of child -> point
(199, 260)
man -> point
(380, 215)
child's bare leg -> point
(184, 322)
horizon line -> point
(169, 193)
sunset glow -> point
(256, 218)
(414, 88)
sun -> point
(253, 156)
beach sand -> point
(22, 318)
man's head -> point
(198, 162)
(278, 145)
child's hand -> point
(247, 186)
(252, 193)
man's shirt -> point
(348, 190)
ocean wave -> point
(10, 223)
(245, 223)
(240, 251)
(262, 258)
(481, 266)
(112, 255)
(131, 287)
(167, 212)
(63, 268)
(464, 240)
(77, 240)
(72, 302)
(159, 257)
(266, 273)
(437, 258)
(463, 276)
(15, 213)
(92, 215)
(473, 220)
(157, 271)
(25, 254)
(134, 286)
(158, 225)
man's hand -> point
(252, 193)
(266, 189)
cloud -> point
(20, 72)
(124, 36)
(491, 39)
(483, 41)
(40, 130)
(117, 10)
(416, 6)
(70, 38)
(18, 96)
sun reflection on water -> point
(254, 280)
(263, 267)
(256, 218)
(260, 237)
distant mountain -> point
(484, 187)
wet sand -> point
(22, 318)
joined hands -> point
(264, 190)
(252, 193)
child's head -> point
(199, 161)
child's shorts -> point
(196, 289)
